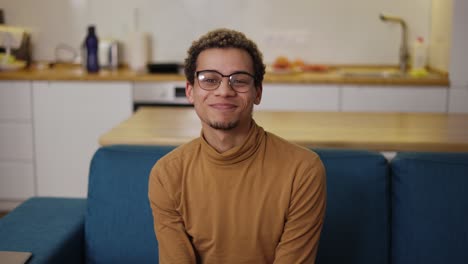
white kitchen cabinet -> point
(15, 121)
(299, 97)
(458, 99)
(69, 117)
(15, 100)
(16, 183)
(16, 143)
(361, 98)
(394, 99)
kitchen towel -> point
(138, 51)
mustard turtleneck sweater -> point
(260, 202)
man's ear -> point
(258, 96)
(189, 92)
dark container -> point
(91, 45)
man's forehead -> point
(236, 58)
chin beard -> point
(224, 126)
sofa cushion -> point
(356, 227)
(430, 208)
(119, 223)
(50, 228)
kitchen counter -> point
(372, 131)
(333, 76)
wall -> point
(441, 34)
(458, 97)
(319, 31)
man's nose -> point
(225, 88)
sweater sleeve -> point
(300, 238)
(173, 241)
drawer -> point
(16, 180)
(395, 99)
(16, 141)
(299, 98)
(15, 100)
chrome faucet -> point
(404, 54)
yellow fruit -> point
(7, 59)
(418, 72)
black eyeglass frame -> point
(229, 76)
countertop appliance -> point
(168, 67)
(109, 53)
(160, 94)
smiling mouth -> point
(223, 106)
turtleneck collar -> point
(238, 153)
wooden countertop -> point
(372, 131)
(333, 76)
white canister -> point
(138, 51)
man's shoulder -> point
(180, 153)
(304, 162)
(169, 169)
(289, 149)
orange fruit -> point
(281, 62)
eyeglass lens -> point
(210, 80)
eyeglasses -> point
(210, 80)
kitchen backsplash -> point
(318, 31)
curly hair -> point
(224, 38)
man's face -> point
(224, 108)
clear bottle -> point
(419, 60)
(90, 50)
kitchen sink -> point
(371, 73)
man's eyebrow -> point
(234, 72)
(242, 72)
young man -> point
(236, 194)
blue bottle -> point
(91, 45)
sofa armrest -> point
(52, 229)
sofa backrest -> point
(118, 222)
(357, 221)
(430, 208)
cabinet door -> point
(15, 121)
(458, 99)
(15, 100)
(16, 181)
(299, 97)
(69, 118)
(16, 161)
(394, 99)
(16, 142)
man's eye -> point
(240, 82)
(208, 80)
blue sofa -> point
(411, 210)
